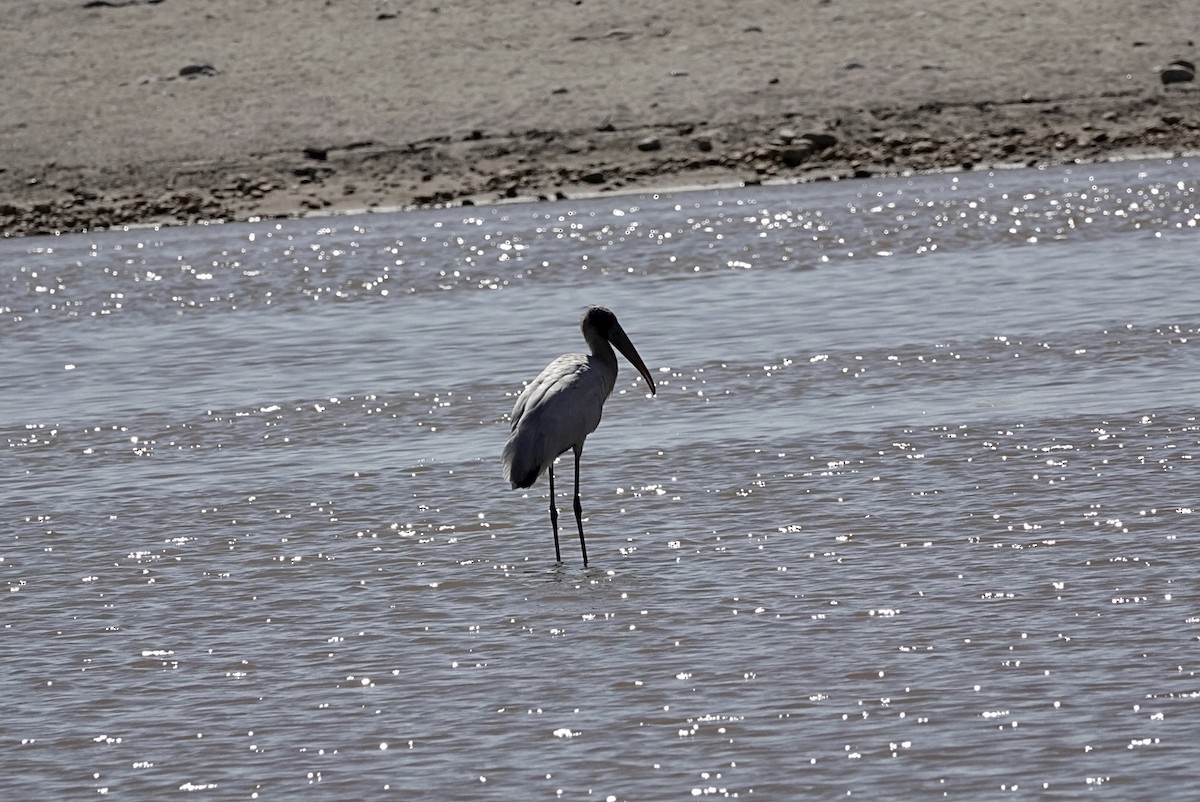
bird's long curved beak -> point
(620, 340)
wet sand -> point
(133, 111)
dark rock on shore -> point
(197, 70)
(1178, 72)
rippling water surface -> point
(911, 516)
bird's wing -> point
(564, 377)
(558, 409)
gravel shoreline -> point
(546, 165)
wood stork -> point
(562, 406)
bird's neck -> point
(605, 357)
(603, 351)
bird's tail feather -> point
(521, 465)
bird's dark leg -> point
(579, 506)
(554, 515)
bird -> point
(558, 410)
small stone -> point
(1178, 72)
(197, 70)
(794, 157)
(649, 143)
(821, 141)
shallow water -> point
(911, 516)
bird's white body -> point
(558, 410)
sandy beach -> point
(123, 112)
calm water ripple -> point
(911, 516)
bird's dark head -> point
(599, 319)
(600, 327)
